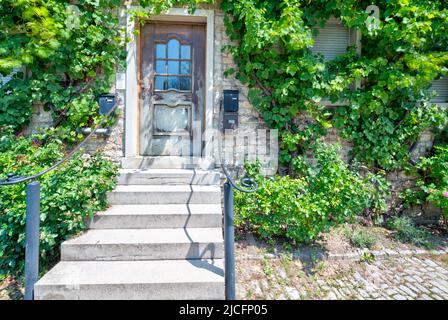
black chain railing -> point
(33, 211)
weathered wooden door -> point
(172, 89)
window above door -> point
(173, 67)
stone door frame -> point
(132, 91)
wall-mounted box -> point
(230, 121)
(231, 103)
(106, 103)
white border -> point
(131, 107)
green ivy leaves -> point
(61, 63)
(385, 115)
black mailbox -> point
(231, 100)
(230, 121)
(106, 102)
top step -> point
(168, 177)
(167, 162)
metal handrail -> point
(248, 185)
(246, 182)
(19, 179)
(229, 227)
(33, 212)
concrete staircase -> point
(160, 239)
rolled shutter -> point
(441, 87)
(332, 40)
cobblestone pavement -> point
(397, 278)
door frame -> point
(132, 91)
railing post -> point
(229, 245)
(32, 238)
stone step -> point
(160, 194)
(168, 177)
(155, 216)
(133, 280)
(144, 244)
(167, 162)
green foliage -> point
(321, 196)
(149, 8)
(68, 195)
(406, 231)
(65, 56)
(432, 185)
(360, 238)
(398, 63)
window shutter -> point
(441, 87)
(332, 40)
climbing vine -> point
(63, 55)
(399, 60)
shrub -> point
(321, 196)
(406, 231)
(432, 183)
(68, 195)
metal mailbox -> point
(231, 103)
(230, 120)
(106, 103)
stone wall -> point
(244, 140)
(249, 121)
(112, 144)
(39, 119)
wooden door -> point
(172, 89)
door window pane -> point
(160, 83)
(185, 83)
(160, 50)
(185, 52)
(173, 83)
(171, 62)
(185, 67)
(171, 120)
(161, 66)
(173, 49)
(173, 67)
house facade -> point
(170, 95)
(171, 92)
(162, 236)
